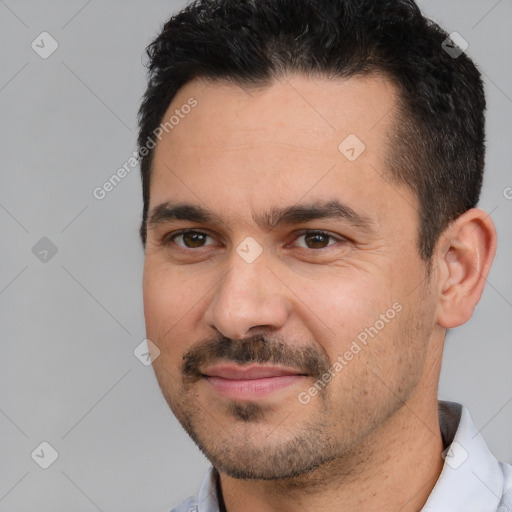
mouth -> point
(252, 381)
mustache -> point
(310, 359)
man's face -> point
(339, 304)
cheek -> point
(168, 306)
(339, 307)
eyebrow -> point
(295, 214)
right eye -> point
(190, 239)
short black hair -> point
(437, 145)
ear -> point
(464, 256)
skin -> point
(239, 153)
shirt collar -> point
(472, 479)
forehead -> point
(287, 107)
(278, 144)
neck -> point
(395, 468)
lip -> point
(250, 372)
(250, 382)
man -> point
(310, 178)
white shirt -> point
(472, 479)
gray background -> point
(69, 325)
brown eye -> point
(316, 240)
(190, 239)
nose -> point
(249, 299)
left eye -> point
(316, 239)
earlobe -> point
(464, 256)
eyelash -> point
(168, 239)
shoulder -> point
(206, 500)
(506, 500)
(189, 505)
